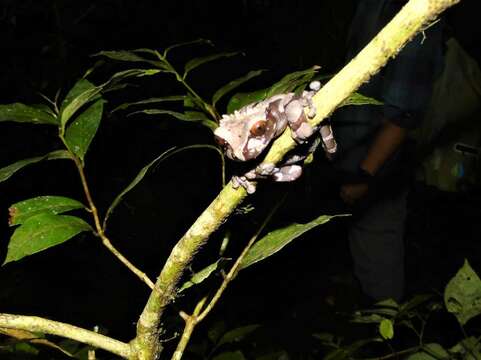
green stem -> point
(207, 107)
(98, 227)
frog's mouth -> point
(226, 148)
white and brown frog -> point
(247, 132)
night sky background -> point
(48, 45)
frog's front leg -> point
(301, 130)
(285, 173)
(248, 184)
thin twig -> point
(98, 227)
(212, 112)
(91, 352)
(235, 268)
(37, 324)
(192, 320)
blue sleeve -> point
(408, 79)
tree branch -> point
(100, 230)
(37, 324)
(411, 19)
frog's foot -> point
(300, 128)
(287, 173)
(328, 141)
(279, 174)
(238, 181)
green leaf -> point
(192, 42)
(237, 334)
(81, 86)
(414, 302)
(359, 99)
(380, 311)
(190, 116)
(151, 101)
(7, 171)
(277, 239)
(200, 276)
(81, 93)
(337, 354)
(23, 210)
(462, 295)
(82, 130)
(290, 81)
(325, 338)
(234, 84)
(230, 355)
(19, 112)
(389, 303)
(356, 345)
(436, 350)
(468, 349)
(386, 329)
(134, 183)
(287, 84)
(274, 356)
(165, 155)
(84, 92)
(121, 75)
(125, 55)
(41, 232)
(430, 351)
(194, 63)
(359, 317)
(240, 100)
(387, 307)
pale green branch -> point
(45, 326)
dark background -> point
(47, 45)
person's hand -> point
(351, 193)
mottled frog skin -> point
(247, 132)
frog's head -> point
(248, 131)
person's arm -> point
(387, 141)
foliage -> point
(389, 317)
(41, 222)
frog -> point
(248, 132)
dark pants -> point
(376, 239)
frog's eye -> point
(259, 128)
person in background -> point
(373, 156)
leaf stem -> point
(210, 109)
(192, 320)
(38, 324)
(98, 227)
(235, 268)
